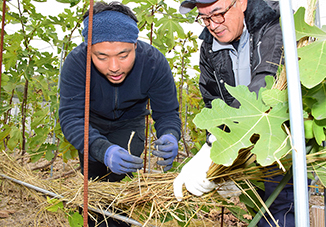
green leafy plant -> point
(251, 119)
(75, 218)
(31, 77)
(261, 122)
(30, 81)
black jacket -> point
(262, 21)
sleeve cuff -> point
(98, 149)
(173, 132)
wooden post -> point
(318, 218)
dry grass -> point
(147, 198)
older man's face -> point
(231, 29)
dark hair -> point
(112, 6)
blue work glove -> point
(166, 148)
(120, 161)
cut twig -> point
(130, 139)
(129, 142)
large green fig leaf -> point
(272, 97)
(252, 119)
(318, 93)
(312, 63)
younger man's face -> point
(114, 59)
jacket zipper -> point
(115, 102)
(219, 87)
(259, 56)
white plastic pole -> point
(296, 116)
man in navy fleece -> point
(125, 74)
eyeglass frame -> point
(209, 18)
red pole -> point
(2, 35)
(87, 98)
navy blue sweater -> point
(150, 78)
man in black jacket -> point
(242, 44)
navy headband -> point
(111, 26)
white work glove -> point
(193, 175)
(228, 189)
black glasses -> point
(215, 17)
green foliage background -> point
(31, 75)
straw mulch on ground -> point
(147, 198)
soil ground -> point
(21, 206)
